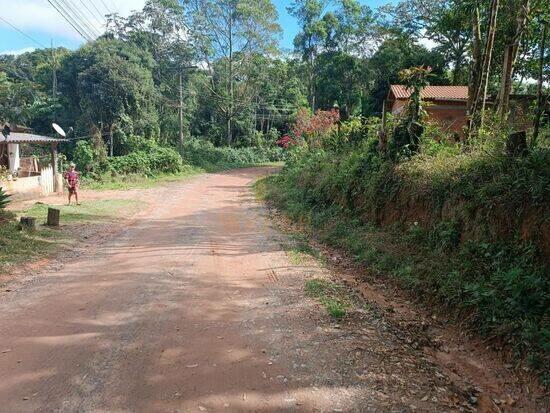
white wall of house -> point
(13, 152)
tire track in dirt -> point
(196, 307)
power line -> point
(75, 15)
(106, 7)
(70, 20)
(23, 33)
(101, 15)
(82, 19)
(100, 20)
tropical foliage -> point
(236, 83)
(444, 222)
(4, 199)
(462, 220)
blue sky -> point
(39, 20)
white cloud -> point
(124, 7)
(427, 43)
(39, 15)
(18, 52)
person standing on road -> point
(71, 179)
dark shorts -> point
(73, 190)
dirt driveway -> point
(195, 307)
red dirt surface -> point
(196, 307)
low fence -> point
(33, 186)
(46, 180)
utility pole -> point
(541, 101)
(180, 106)
(54, 74)
(181, 112)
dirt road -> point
(196, 308)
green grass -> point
(108, 182)
(225, 166)
(260, 187)
(300, 251)
(135, 181)
(498, 288)
(18, 246)
(204, 154)
(297, 257)
(88, 211)
(331, 295)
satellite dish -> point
(59, 129)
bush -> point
(84, 157)
(4, 199)
(204, 154)
(157, 160)
(464, 229)
(145, 157)
(90, 157)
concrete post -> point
(54, 166)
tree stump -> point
(53, 217)
(28, 223)
(516, 145)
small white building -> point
(25, 178)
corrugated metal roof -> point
(456, 93)
(16, 128)
(16, 137)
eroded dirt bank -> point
(196, 307)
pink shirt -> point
(72, 178)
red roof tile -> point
(433, 92)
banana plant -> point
(4, 198)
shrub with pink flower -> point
(313, 128)
(285, 141)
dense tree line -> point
(237, 87)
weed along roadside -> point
(79, 226)
(444, 227)
(351, 286)
(279, 206)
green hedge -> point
(204, 154)
(450, 225)
(158, 160)
(147, 157)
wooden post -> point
(384, 116)
(53, 217)
(180, 113)
(540, 99)
(28, 223)
(382, 136)
(54, 166)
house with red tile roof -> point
(444, 104)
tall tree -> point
(160, 28)
(444, 22)
(351, 28)
(519, 9)
(110, 84)
(314, 25)
(228, 33)
(481, 65)
(541, 100)
(448, 26)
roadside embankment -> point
(468, 232)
